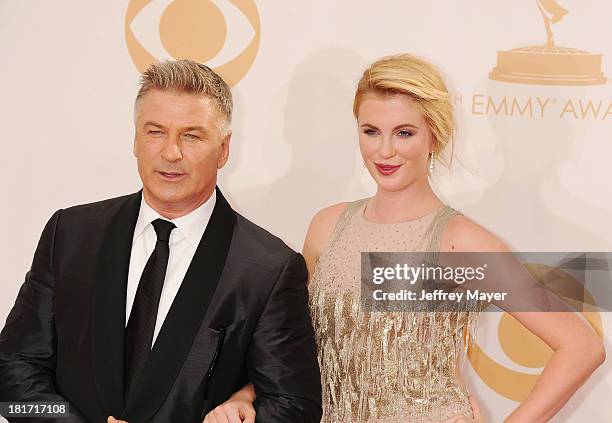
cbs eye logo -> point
(223, 34)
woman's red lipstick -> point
(386, 169)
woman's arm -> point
(578, 350)
(320, 229)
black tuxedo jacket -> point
(240, 315)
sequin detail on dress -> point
(384, 367)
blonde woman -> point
(404, 367)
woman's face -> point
(394, 140)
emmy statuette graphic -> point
(548, 64)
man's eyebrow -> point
(195, 128)
(200, 128)
(151, 123)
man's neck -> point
(175, 210)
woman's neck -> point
(417, 200)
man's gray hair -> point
(188, 77)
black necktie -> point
(141, 325)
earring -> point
(431, 162)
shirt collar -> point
(192, 225)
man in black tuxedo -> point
(157, 306)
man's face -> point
(180, 143)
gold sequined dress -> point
(383, 367)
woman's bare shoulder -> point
(329, 215)
(463, 234)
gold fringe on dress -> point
(383, 367)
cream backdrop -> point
(532, 160)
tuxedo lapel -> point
(185, 317)
(108, 303)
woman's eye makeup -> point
(405, 133)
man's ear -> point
(134, 147)
(224, 150)
(135, 144)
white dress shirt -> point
(183, 242)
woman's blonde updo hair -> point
(419, 79)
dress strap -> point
(436, 229)
(343, 220)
